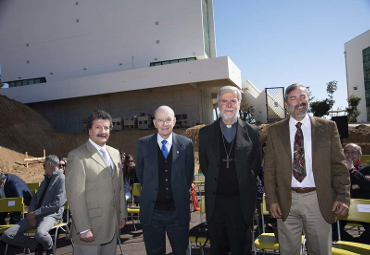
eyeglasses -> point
(130, 161)
(161, 121)
(62, 165)
(351, 152)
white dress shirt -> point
(168, 144)
(309, 181)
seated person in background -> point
(360, 188)
(63, 164)
(45, 211)
(123, 157)
(129, 175)
(13, 186)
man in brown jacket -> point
(95, 191)
(306, 178)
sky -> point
(276, 43)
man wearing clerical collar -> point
(230, 158)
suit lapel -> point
(95, 155)
(115, 161)
(285, 136)
(316, 132)
(177, 148)
(153, 155)
(215, 138)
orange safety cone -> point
(194, 197)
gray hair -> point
(358, 147)
(54, 160)
(292, 87)
(228, 89)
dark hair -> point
(127, 172)
(292, 87)
(98, 115)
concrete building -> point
(67, 58)
(357, 57)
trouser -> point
(15, 217)
(97, 249)
(155, 234)
(305, 216)
(15, 236)
(227, 228)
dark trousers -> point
(15, 217)
(155, 234)
(227, 229)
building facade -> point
(357, 58)
(67, 58)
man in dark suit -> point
(230, 158)
(360, 188)
(165, 169)
(306, 178)
(13, 186)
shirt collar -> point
(160, 139)
(98, 147)
(305, 122)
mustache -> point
(301, 104)
(102, 135)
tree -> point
(352, 111)
(321, 108)
(246, 113)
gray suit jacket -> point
(247, 162)
(95, 196)
(181, 176)
(328, 166)
(54, 199)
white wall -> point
(109, 33)
(205, 70)
(253, 96)
(355, 71)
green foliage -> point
(352, 111)
(246, 113)
(321, 108)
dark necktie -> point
(299, 162)
(164, 149)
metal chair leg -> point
(120, 245)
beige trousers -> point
(99, 249)
(304, 216)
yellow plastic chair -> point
(33, 186)
(267, 241)
(11, 204)
(134, 211)
(365, 159)
(59, 226)
(354, 214)
(194, 239)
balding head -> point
(164, 121)
(353, 152)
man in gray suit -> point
(45, 211)
(95, 191)
(165, 169)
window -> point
(26, 82)
(173, 61)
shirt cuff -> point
(83, 232)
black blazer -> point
(181, 176)
(16, 187)
(248, 157)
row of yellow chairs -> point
(16, 205)
(358, 212)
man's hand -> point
(340, 208)
(87, 237)
(349, 164)
(275, 211)
(31, 216)
(33, 222)
(122, 223)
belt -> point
(303, 190)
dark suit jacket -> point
(16, 187)
(247, 162)
(181, 176)
(328, 165)
(359, 178)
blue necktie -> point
(164, 149)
